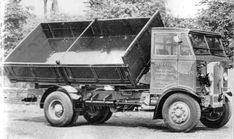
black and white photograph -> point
(116, 69)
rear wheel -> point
(181, 113)
(108, 116)
(217, 119)
(58, 109)
(74, 118)
(97, 115)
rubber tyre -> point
(67, 115)
(74, 118)
(223, 120)
(100, 117)
(194, 112)
(108, 116)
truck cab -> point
(191, 62)
(186, 59)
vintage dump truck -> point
(95, 68)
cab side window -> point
(184, 46)
(165, 44)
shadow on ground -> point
(118, 122)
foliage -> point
(124, 8)
(171, 21)
(15, 17)
(219, 17)
(63, 17)
(137, 8)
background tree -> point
(218, 16)
(18, 22)
(55, 14)
(45, 9)
(171, 21)
(54, 8)
(124, 8)
(137, 8)
(15, 17)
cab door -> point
(186, 64)
(164, 61)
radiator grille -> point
(215, 70)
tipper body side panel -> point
(108, 51)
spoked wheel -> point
(217, 119)
(181, 113)
(97, 115)
(58, 109)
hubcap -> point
(179, 112)
(214, 116)
(56, 109)
(92, 111)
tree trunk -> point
(54, 7)
(45, 9)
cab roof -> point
(185, 30)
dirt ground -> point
(27, 122)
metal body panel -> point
(172, 73)
(97, 50)
(164, 66)
(163, 75)
(67, 74)
(137, 55)
(46, 40)
(174, 69)
(187, 72)
(112, 51)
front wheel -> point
(217, 119)
(181, 113)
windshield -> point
(206, 45)
(215, 45)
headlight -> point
(211, 77)
(225, 76)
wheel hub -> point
(56, 109)
(214, 116)
(179, 112)
(92, 111)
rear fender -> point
(167, 93)
(69, 90)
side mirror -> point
(178, 39)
